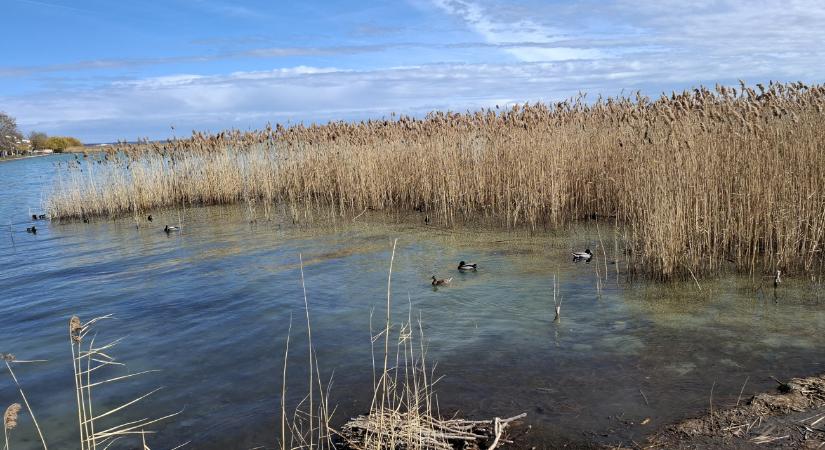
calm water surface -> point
(211, 308)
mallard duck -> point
(463, 266)
(443, 282)
(32, 229)
(169, 229)
(583, 255)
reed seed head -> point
(10, 417)
(75, 329)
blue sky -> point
(104, 70)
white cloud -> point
(250, 99)
(541, 51)
(523, 30)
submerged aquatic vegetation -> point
(696, 182)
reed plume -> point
(10, 359)
(10, 417)
(10, 421)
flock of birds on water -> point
(463, 266)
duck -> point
(582, 255)
(32, 229)
(778, 279)
(42, 217)
(443, 282)
(169, 229)
(34, 216)
(463, 266)
(149, 218)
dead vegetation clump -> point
(427, 432)
(791, 417)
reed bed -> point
(696, 182)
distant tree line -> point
(10, 136)
(60, 143)
(12, 142)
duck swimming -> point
(443, 282)
(169, 229)
(149, 218)
(582, 255)
(32, 229)
(463, 266)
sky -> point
(105, 70)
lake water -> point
(211, 307)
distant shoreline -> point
(14, 158)
(77, 149)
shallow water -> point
(211, 307)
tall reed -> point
(88, 359)
(698, 181)
(10, 359)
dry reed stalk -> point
(283, 387)
(556, 299)
(310, 428)
(92, 358)
(403, 412)
(310, 352)
(8, 359)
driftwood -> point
(401, 431)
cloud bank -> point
(521, 52)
